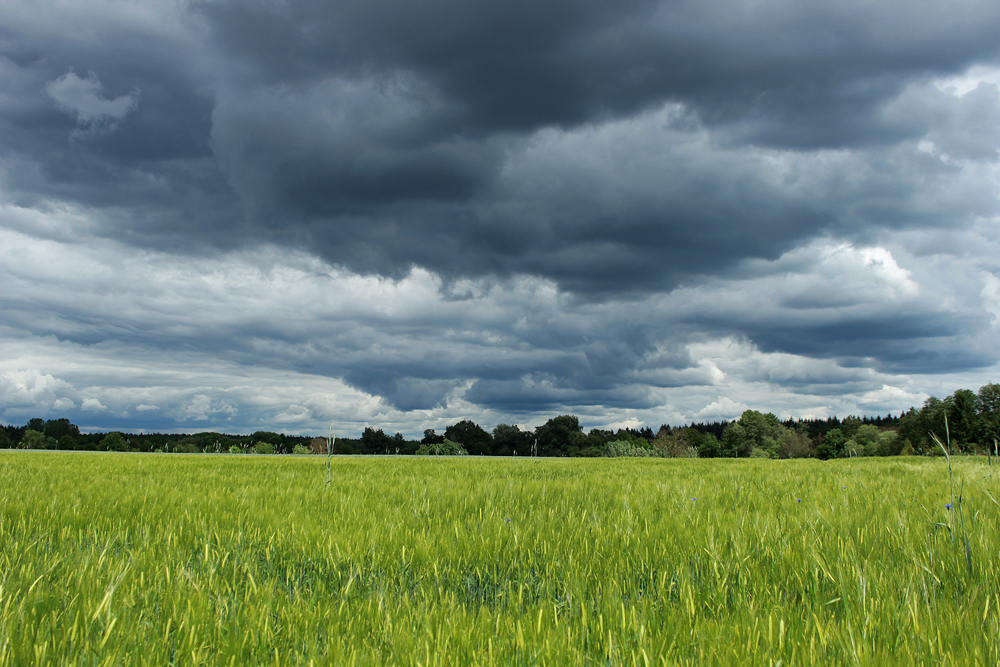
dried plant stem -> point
(330, 443)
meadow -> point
(151, 559)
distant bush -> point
(114, 442)
(263, 448)
(301, 449)
(33, 440)
(446, 448)
(707, 444)
(624, 448)
(676, 443)
(795, 445)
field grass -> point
(145, 559)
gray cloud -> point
(82, 98)
(519, 66)
(581, 194)
(415, 134)
(505, 351)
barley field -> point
(147, 559)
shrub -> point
(708, 445)
(675, 443)
(301, 449)
(263, 448)
(446, 448)
(114, 442)
(624, 448)
(795, 445)
(33, 439)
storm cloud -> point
(646, 210)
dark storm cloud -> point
(904, 343)
(620, 152)
(521, 65)
(149, 165)
(389, 135)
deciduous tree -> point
(560, 436)
(471, 436)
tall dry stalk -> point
(330, 443)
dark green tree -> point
(114, 442)
(707, 444)
(850, 426)
(376, 442)
(735, 442)
(560, 436)
(916, 425)
(508, 438)
(963, 419)
(471, 436)
(989, 413)
(910, 429)
(57, 428)
(933, 419)
(763, 431)
(431, 438)
(832, 445)
(593, 444)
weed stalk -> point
(330, 445)
(956, 505)
(965, 537)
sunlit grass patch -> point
(146, 559)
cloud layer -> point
(286, 214)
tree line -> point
(968, 421)
(63, 435)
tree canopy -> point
(967, 421)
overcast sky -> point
(282, 215)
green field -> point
(131, 559)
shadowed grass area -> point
(153, 559)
